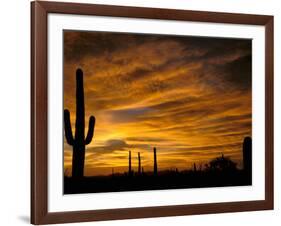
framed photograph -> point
(145, 112)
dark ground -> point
(147, 181)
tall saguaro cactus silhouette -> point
(139, 159)
(155, 162)
(78, 142)
(130, 164)
(247, 157)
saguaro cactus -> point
(130, 164)
(247, 158)
(79, 141)
(139, 169)
(155, 162)
(194, 167)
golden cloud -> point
(188, 96)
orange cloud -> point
(188, 96)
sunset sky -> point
(190, 97)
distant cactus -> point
(247, 157)
(79, 141)
(139, 160)
(155, 162)
(130, 164)
(200, 167)
(194, 167)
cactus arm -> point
(90, 134)
(67, 128)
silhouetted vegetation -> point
(139, 164)
(79, 141)
(219, 172)
(130, 165)
(221, 164)
(247, 157)
(155, 162)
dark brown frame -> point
(39, 106)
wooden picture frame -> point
(39, 109)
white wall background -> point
(15, 113)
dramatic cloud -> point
(188, 96)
